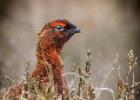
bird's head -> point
(59, 32)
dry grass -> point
(84, 89)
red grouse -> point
(51, 41)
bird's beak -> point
(77, 30)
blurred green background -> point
(110, 27)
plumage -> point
(51, 42)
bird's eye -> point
(59, 27)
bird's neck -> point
(48, 54)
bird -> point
(51, 41)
